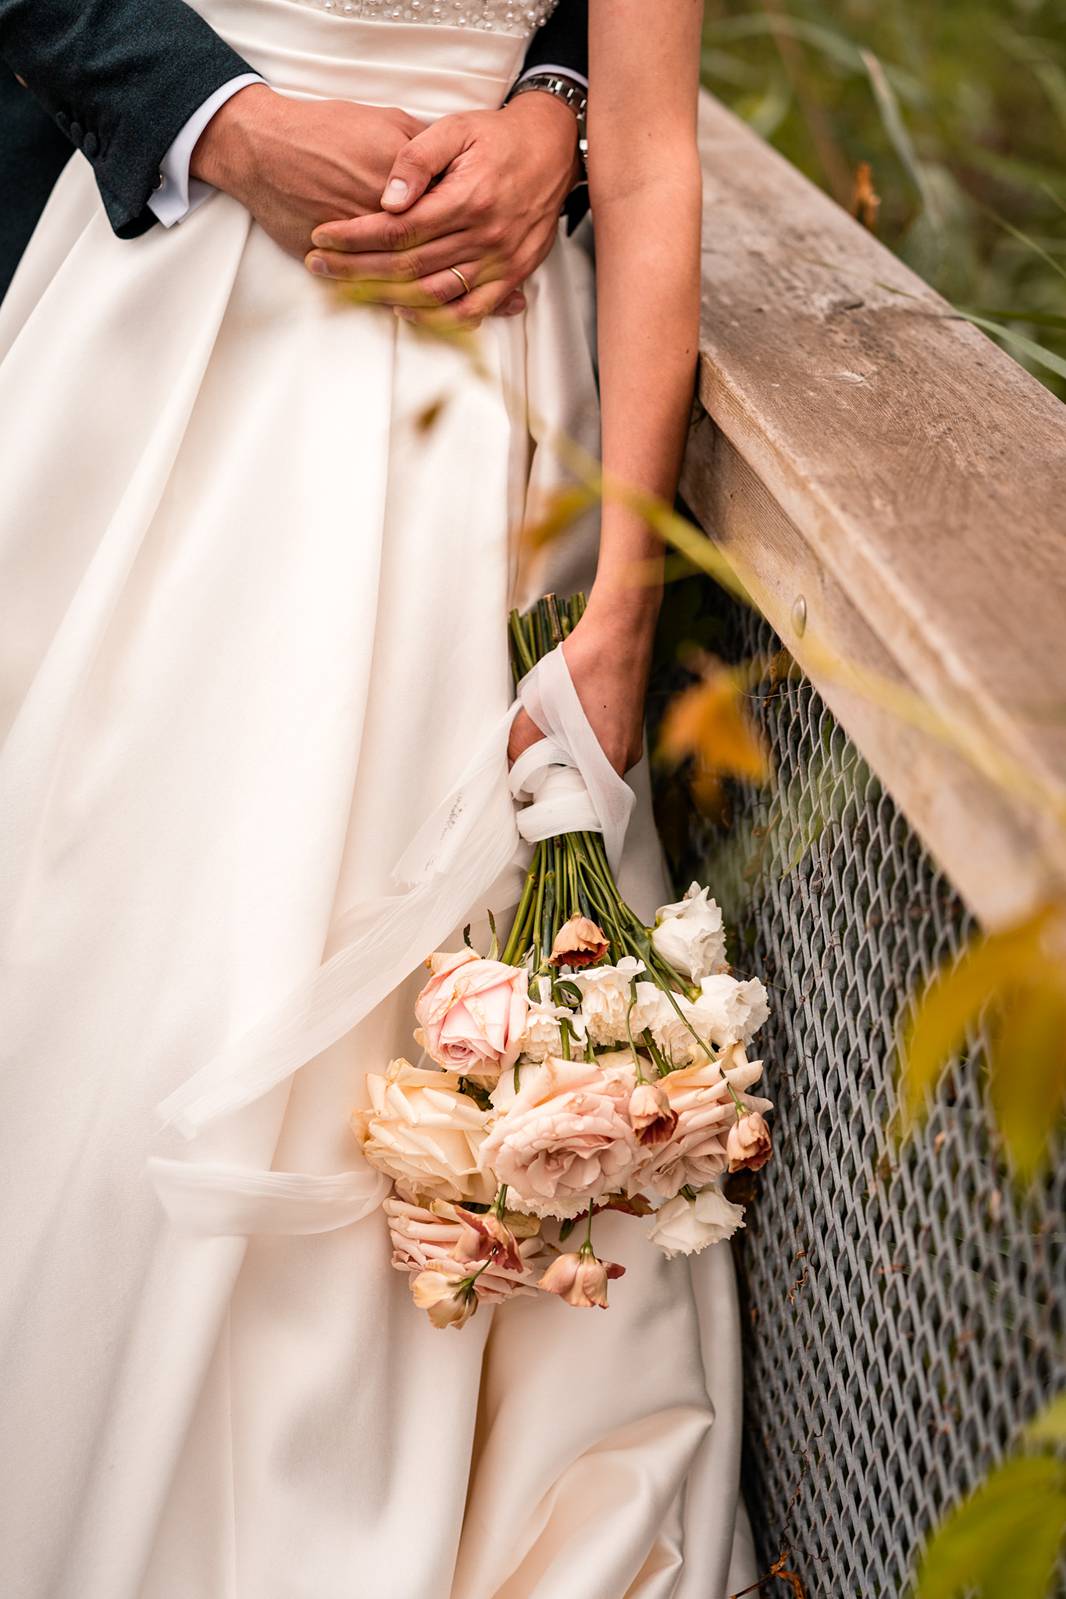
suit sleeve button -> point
(91, 144)
(75, 132)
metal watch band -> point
(572, 94)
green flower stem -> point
(538, 912)
(514, 947)
(629, 1034)
(662, 1065)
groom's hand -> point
(295, 163)
(494, 214)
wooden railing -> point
(892, 488)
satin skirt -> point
(256, 553)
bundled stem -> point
(570, 875)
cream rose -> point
(425, 1134)
(689, 934)
(696, 1152)
(564, 1139)
(685, 1226)
(472, 1012)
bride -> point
(258, 547)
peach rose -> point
(581, 1279)
(472, 1012)
(439, 1237)
(564, 1139)
(748, 1146)
(425, 1133)
(652, 1116)
(578, 942)
(699, 1096)
(449, 1301)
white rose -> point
(543, 1036)
(689, 934)
(606, 994)
(727, 1011)
(685, 1226)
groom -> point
(165, 110)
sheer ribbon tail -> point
(217, 1200)
(451, 864)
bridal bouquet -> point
(592, 1064)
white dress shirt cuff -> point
(176, 193)
(556, 72)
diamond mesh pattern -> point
(903, 1313)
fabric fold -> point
(450, 865)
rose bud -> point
(650, 1115)
(450, 1301)
(580, 1279)
(488, 1237)
(578, 942)
(748, 1145)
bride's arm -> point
(644, 181)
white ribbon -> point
(549, 696)
(450, 865)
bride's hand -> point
(609, 656)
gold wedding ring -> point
(456, 273)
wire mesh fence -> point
(903, 1310)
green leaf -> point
(1035, 352)
(900, 139)
(1050, 1426)
(1004, 1540)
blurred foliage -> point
(1014, 981)
(1005, 1540)
(959, 109)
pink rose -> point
(564, 1139)
(699, 1096)
(472, 1011)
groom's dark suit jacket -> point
(118, 80)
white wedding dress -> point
(254, 628)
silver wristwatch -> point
(571, 93)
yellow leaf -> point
(1002, 1542)
(1027, 1072)
(1019, 976)
(708, 721)
(562, 509)
(430, 415)
(1050, 1426)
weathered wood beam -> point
(868, 453)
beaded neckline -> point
(488, 16)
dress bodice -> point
(518, 17)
